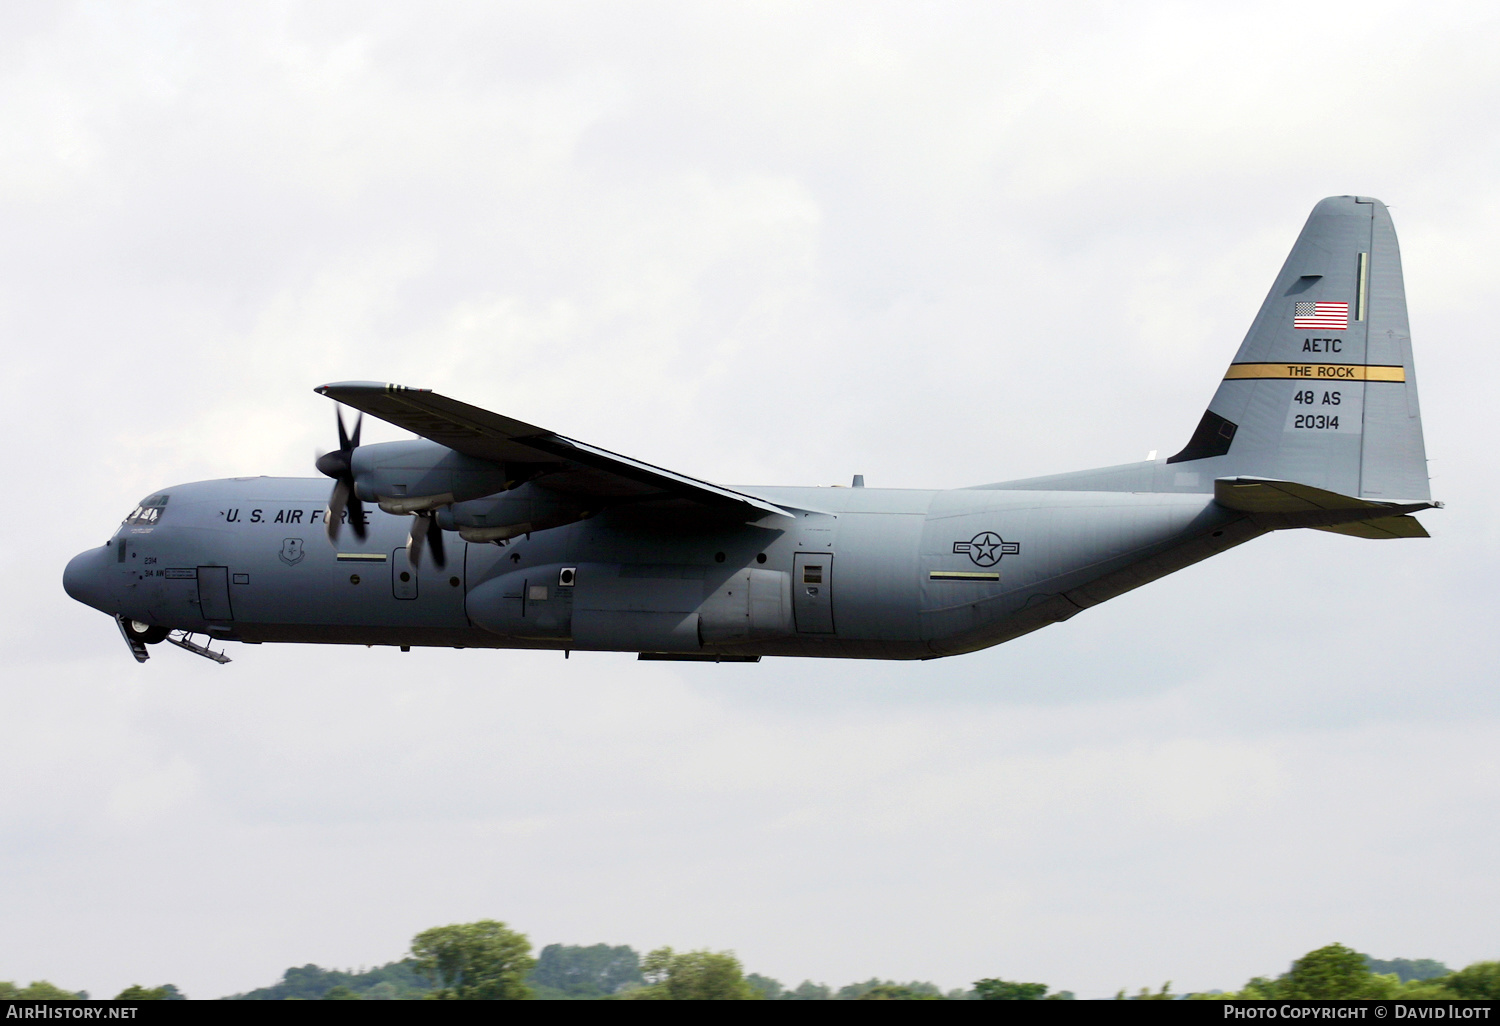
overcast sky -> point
(937, 244)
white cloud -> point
(994, 241)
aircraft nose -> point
(86, 580)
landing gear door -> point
(812, 592)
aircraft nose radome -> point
(85, 580)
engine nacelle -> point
(408, 477)
(521, 510)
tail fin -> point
(1323, 391)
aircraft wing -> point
(562, 464)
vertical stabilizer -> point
(1323, 390)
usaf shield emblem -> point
(291, 551)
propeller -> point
(339, 466)
(424, 528)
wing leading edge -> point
(562, 464)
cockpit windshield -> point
(149, 511)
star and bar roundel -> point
(984, 549)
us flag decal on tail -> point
(1313, 316)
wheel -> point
(145, 632)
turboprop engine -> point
(417, 476)
(521, 510)
(440, 488)
(479, 500)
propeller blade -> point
(419, 527)
(357, 517)
(424, 528)
(347, 440)
(335, 514)
(339, 465)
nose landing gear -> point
(138, 635)
(143, 632)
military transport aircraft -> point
(563, 545)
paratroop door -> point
(812, 592)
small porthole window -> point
(761, 558)
(453, 581)
(405, 576)
(718, 557)
(354, 578)
(566, 576)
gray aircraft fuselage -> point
(879, 573)
(552, 543)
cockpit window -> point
(149, 511)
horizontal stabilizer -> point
(1286, 504)
(1381, 528)
(1262, 495)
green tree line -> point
(1339, 973)
(41, 990)
(488, 961)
